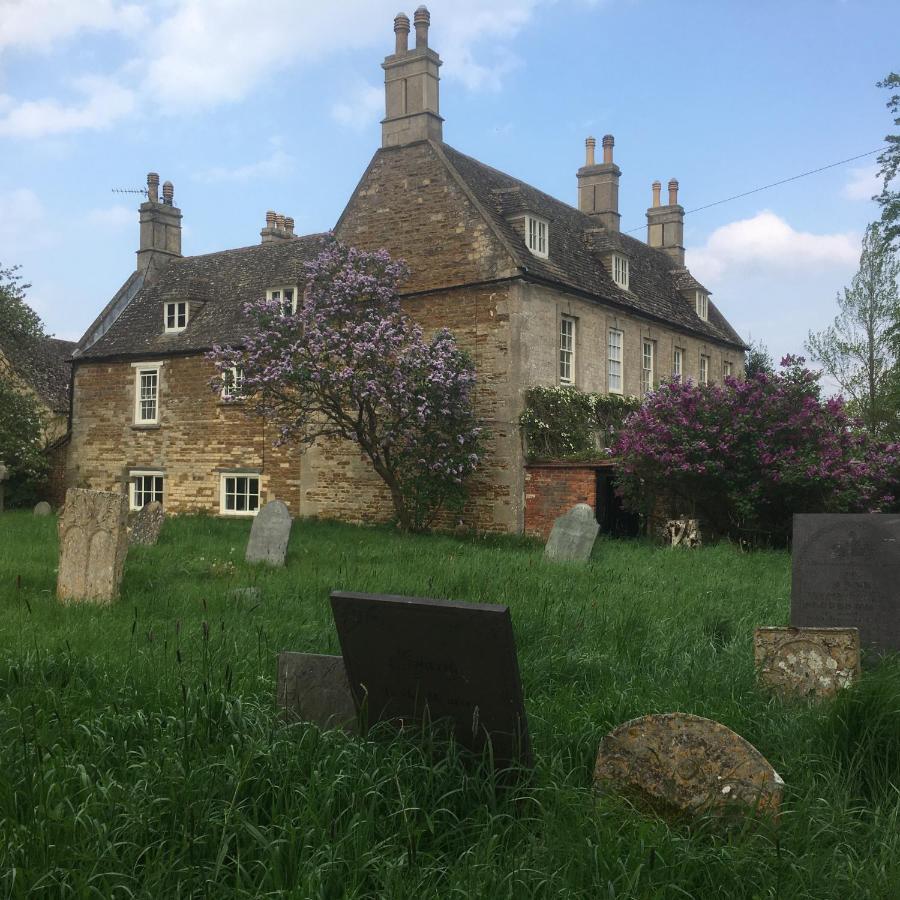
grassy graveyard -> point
(141, 756)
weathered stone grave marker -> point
(573, 535)
(806, 662)
(677, 763)
(270, 534)
(42, 508)
(846, 574)
(147, 524)
(683, 533)
(314, 688)
(411, 660)
(93, 544)
(4, 474)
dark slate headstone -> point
(270, 534)
(411, 660)
(314, 688)
(146, 524)
(573, 535)
(846, 574)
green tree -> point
(21, 328)
(889, 165)
(758, 360)
(857, 350)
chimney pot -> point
(673, 192)
(270, 219)
(422, 19)
(168, 193)
(289, 224)
(608, 144)
(279, 221)
(589, 145)
(657, 187)
(401, 32)
(153, 187)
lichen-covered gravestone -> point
(42, 509)
(314, 688)
(147, 524)
(677, 764)
(93, 543)
(806, 662)
(573, 535)
(270, 534)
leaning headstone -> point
(683, 532)
(314, 688)
(846, 572)
(573, 535)
(412, 660)
(806, 662)
(42, 509)
(93, 544)
(270, 534)
(147, 524)
(677, 764)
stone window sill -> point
(145, 427)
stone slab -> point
(147, 524)
(270, 534)
(573, 535)
(678, 764)
(683, 533)
(411, 660)
(846, 574)
(42, 509)
(806, 662)
(93, 543)
(314, 688)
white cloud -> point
(363, 105)
(114, 217)
(277, 163)
(23, 223)
(104, 102)
(863, 184)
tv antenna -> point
(130, 191)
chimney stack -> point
(160, 225)
(278, 228)
(665, 224)
(411, 82)
(598, 184)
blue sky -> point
(250, 106)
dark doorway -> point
(614, 519)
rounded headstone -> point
(573, 535)
(43, 508)
(677, 764)
(270, 534)
(147, 524)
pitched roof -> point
(576, 244)
(44, 365)
(218, 283)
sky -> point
(249, 106)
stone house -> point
(537, 291)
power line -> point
(766, 187)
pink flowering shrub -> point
(747, 454)
(349, 363)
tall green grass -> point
(140, 755)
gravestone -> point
(573, 535)
(93, 544)
(42, 509)
(314, 688)
(270, 534)
(412, 660)
(846, 574)
(146, 524)
(677, 764)
(4, 474)
(245, 594)
(806, 662)
(683, 532)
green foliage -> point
(21, 328)
(758, 360)
(22, 442)
(142, 757)
(566, 423)
(889, 162)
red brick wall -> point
(552, 489)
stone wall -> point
(552, 489)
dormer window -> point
(175, 316)
(620, 270)
(701, 302)
(537, 236)
(286, 296)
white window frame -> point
(141, 369)
(175, 309)
(648, 373)
(701, 304)
(678, 363)
(704, 369)
(727, 368)
(615, 363)
(567, 331)
(278, 292)
(537, 236)
(224, 493)
(620, 270)
(132, 487)
(233, 390)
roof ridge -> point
(296, 239)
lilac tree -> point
(350, 364)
